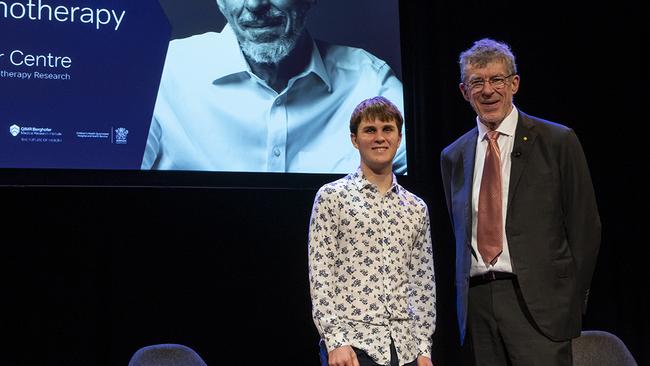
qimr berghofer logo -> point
(14, 130)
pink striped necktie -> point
(489, 233)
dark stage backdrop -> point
(90, 274)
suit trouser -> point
(502, 332)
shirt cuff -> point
(335, 340)
(424, 348)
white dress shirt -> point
(506, 140)
(212, 113)
(371, 269)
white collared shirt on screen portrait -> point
(212, 113)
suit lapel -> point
(524, 139)
(469, 156)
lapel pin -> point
(525, 138)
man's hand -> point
(424, 361)
(343, 356)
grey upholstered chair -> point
(598, 348)
(166, 355)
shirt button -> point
(276, 151)
(278, 101)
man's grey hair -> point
(484, 51)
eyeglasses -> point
(496, 82)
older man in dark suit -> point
(524, 215)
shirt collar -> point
(317, 66)
(232, 60)
(360, 182)
(507, 126)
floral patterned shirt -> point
(371, 269)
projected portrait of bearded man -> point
(262, 95)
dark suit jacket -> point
(552, 222)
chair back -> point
(598, 348)
(166, 355)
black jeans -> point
(364, 359)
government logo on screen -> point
(120, 135)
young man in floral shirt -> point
(370, 257)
